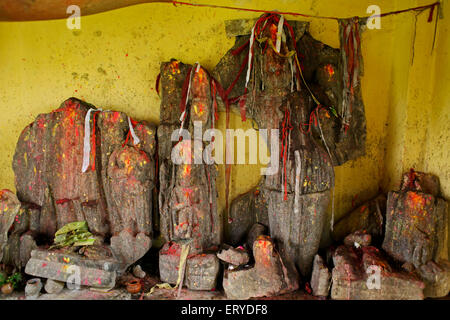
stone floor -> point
(158, 294)
(120, 293)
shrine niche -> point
(133, 207)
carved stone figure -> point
(109, 186)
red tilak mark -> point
(61, 201)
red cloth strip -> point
(239, 50)
(93, 141)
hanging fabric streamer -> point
(87, 138)
(184, 107)
(250, 56)
(133, 134)
(279, 33)
(351, 61)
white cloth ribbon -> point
(252, 39)
(133, 134)
(87, 138)
(183, 114)
(279, 33)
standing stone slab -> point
(246, 210)
(416, 226)
(202, 271)
(9, 207)
(368, 218)
(112, 195)
(320, 279)
(188, 196)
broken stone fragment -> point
(367, 218)
(138, 272)
(420, 181)
(364, 274)
(436, 277)
(320, 279)
(9, 207)
(128, 248)
(236, 257)
(201, 269)
(67, 266)
(416, 227)
(270, 275)
(358, 239)
(53, 286)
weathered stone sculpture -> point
(365, 274)
(187, 185)
(113, 195)
(312, 137)
(416, 223)
(417, 230)
(269, 276)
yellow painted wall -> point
(114, 59)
